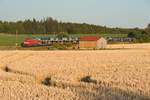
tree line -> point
(143, 36)
(52, 26)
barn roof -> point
(90, 38)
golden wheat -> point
(57, 75)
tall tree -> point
(148, 30)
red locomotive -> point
(30, 42)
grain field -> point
(76, 75)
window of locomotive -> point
(26, 40)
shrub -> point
(55, 45)
(59, 46)
(88, 79)
(62, 35)
(68, 44)
(134, 40)
(140, 37)
(47, 81)
(6, 69)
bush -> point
(144, 38)
(139, 37)
(68, 44)
(59, 46)
(88, 79)
(134, 40)
(55, 45)
(47, 81)
(6, 69)
(62, 35)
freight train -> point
(48, 41)
(119, 39)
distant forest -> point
(51, 26)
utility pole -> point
(16, 39)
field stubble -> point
(76, 75)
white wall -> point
(102, 43)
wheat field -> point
(76, 75)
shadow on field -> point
(93, 90)
(9, 70)
(87, 88)
(104, 93)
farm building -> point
(92, 42)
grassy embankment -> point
(8, 41)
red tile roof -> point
(90, 38)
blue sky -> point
(111, 13)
